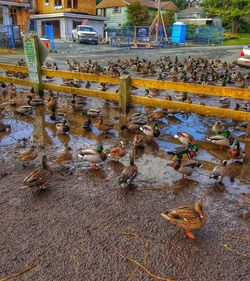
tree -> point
(137, 14)
(232, 12)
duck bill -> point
(165, 216)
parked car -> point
(85, 33)
(244, 59)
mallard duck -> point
(92, 112)
(87, 85)
(87, 124)
(52, 101)
(134, 124)
(56, 116)
(185, 167)
(129, 173)
(188, 218)
(181, 96)
(235, 152)
(63, 127)
(35, 102)
(77, 105)
(39, 177)
(218, 127)
(157, 114)
(185, 138)
(219, 171)
(4, 127)
(135, 116)
(138, 141)
(150, 93)
(151, 131)
(242, 107)
(64, 157)
(104, 127)
(222, 140)
(225, 101)
(94, 156)
(242, 126)
(28, 155)
(24, 110)
(118, 151)
(189, 152)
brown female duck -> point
(39, 177)
(188, 218)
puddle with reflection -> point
(152, 162)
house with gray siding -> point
(116, 10)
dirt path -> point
(79, 228)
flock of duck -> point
(139, 124)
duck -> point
(64, 157)
(189, 152)
(24, 110)
(93, 156)
(4, 127)
(138, 141)
(188, 218)
(56, 116)
(39, 177)
(157, 114)
(118, 151)
(219, 171)
(28, 155)
(52, 101)
(62, 127)
(104, 127)
(128, 174)
(35, 102)
(77, 105)
(185, 138)
(87, 124)
(181, 96)
(222, 140)
(218, 128)
(92, 112)
(87, 85)
(185, 167)
(225, 101)
(151, 131)
(235, 152)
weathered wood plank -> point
(81, 76)
(9, 67)
(193, 88)
(194, 108)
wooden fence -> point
(125, 98)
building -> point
(194, 15)
(14, 12)
(65, 15)
(116, 10)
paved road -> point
(103, 53)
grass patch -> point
(4, 51)
(236, 38)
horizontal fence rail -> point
(124, 92)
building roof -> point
(68, 15)
(169, 5)
(16, 4)
(189, 11)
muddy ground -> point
(84, 225)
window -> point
(117, 10)
(86, 28)
(58, 4)
(72, 4)
(46, 2)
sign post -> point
(30, 44)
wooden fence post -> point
(124, 92)
(30, 44)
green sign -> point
(31, 58)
